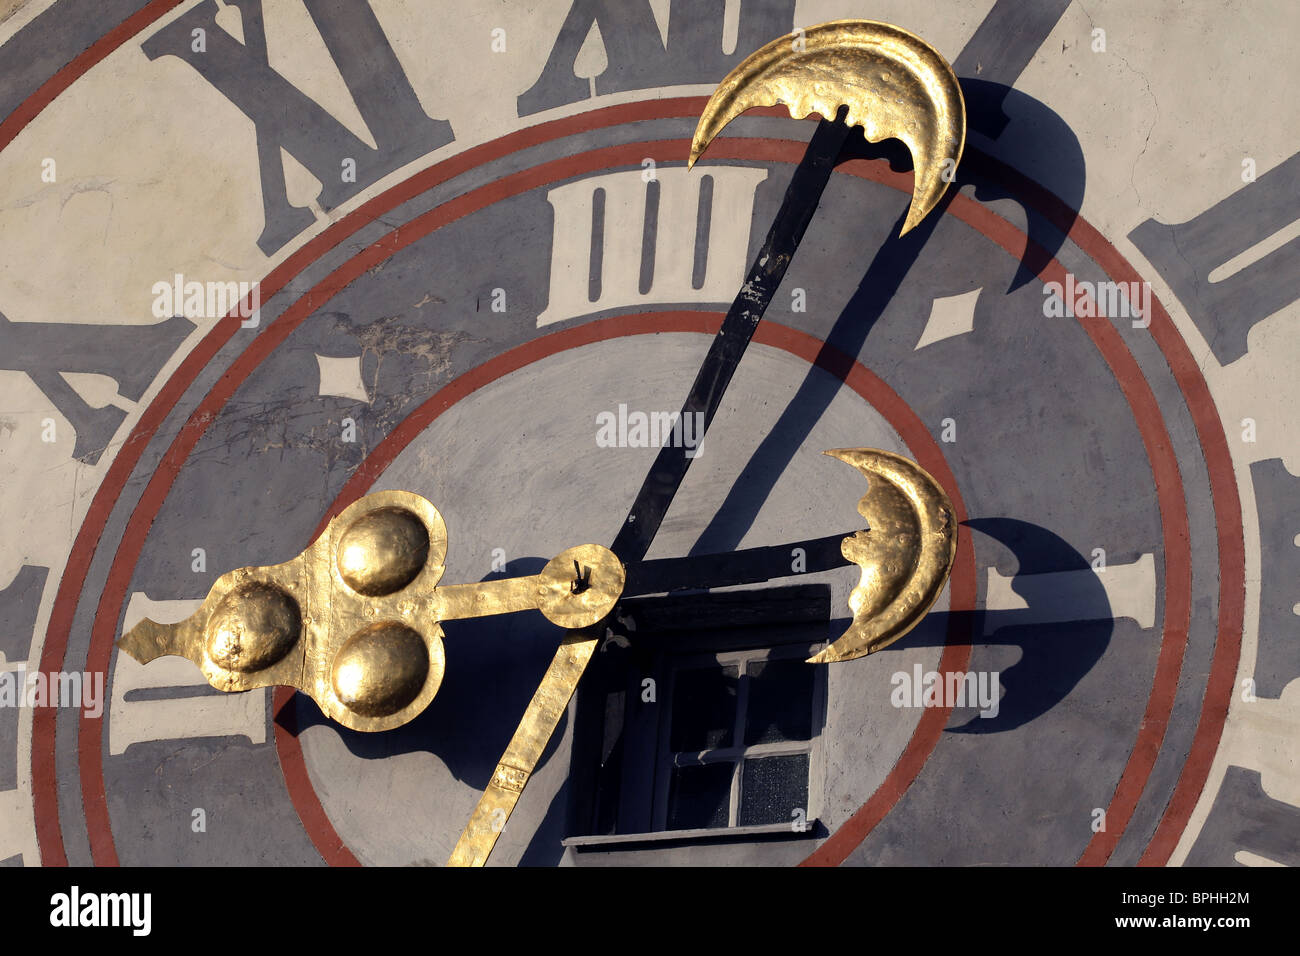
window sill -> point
(710, 834)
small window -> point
(739, 736)
(704, 715)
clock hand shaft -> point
(733, 337)
(749, 566)
(577, 588)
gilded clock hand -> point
(353, 621)
(866, 73)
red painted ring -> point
(1162, 329)
(838, 846)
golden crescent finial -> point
(905, 556)
(894, 84)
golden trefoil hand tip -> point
(354, 620)
(895, 85)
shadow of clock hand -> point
(1061, 640)
(1057, 652)
(1047, 162)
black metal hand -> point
(748, 566)
(733, 337)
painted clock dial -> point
(260, 259)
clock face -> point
(260, 260)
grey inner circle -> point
(478, 464)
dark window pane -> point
(771, 788)
(704, 708)
(701, 796)
(780, 701)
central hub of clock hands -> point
(581, 578)
(354, 620)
